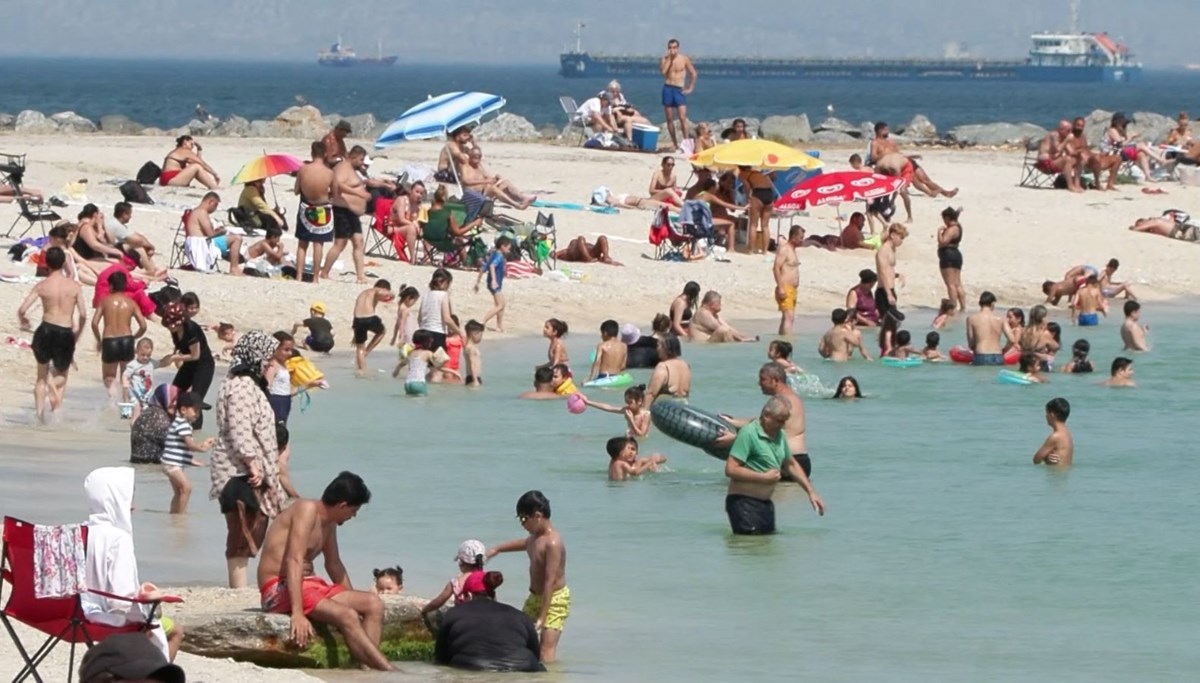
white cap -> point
(470, 551)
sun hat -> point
(630, 333)
(470, 551)
(129, 656)
(318, 306)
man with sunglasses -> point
(549, 602)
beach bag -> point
(134, 193)
(148, 174)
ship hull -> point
(344, 62)
(574, 65)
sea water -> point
(945, 554)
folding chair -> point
(60, 619)
(667, 237)
(381, 242)
(571, 109)
(1033, 175)
(440, 248)
(178, 242)
(35, 213)
(243, 220)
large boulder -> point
(1153, 127)
(838, 126)
(1098, 123)
(34, 122)
(300, 122)
(119, 124)
(233, 127)
(362, 125)
(506, 128)
(202, 127)
(787, 129)
(7, 121)
(834, 137)
(262, 129)
(70, 122)
(996, 134)
(920, 129)
(152, 132)
(227, 623)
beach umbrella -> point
(266, 166)
(835, 188)
(761, 154)
(439, 115)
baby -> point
(624, 460)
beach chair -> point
(440, 248)
(538, 240)
(380, 242)
(1031, 174)
(667, 237)
(178, 242)
(60, 619)
(571, 109)
(35, 213)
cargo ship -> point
(1067, 57)
(340, 55)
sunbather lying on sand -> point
(628, 201)
(1174, 224)
(579, 251)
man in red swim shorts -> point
(286, 582)
(1054, 156)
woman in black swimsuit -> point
(683, 307)
(950, 259)
(762, 200)
(197, 367)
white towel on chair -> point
(201, 254)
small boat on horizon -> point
(340, 55)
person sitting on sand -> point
(663, 186)
(184, 164)
(621, 109)
(92, 241)
(683, 309)
(543, 385)
(294, 540)
(476, 177)
(708, 326)
(1109, 287)
(133, 244)
(852, 234)
(579, 251)
(1055, 156)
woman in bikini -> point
(683, 307)
(672, 376)
(704, 138)
(762, 200)
(183, 165)
(1120, 143)
(663, 186)
(950, 259)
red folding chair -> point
(61, 619)
(667, 238)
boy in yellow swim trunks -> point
(547, 570)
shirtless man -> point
(885, 269)
(335, 142)
(1134, 335)
(1058, 448)
(549, 602)
(476, 177)
(772, 380)
(543, 386)
(758, 456)
(984, 330)
(287, 584)
(899, 166)
(350, 198)
(1088, 304)
(677, 69)
(1121, 374)
(206, 242)
(314, 217)
(1055, 157)
(1081, 153)
(786, 271)
(708, 326)
(54, 340)
(1109, 287)
(611, 353)
(839, 342)
(455, 154)
(881, 145)
(117, 341)
(852, 234)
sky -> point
(536, 31)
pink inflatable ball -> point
(576, 404)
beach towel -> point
(59, 561)
(202, 255)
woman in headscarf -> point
(196, 367)
(148, 436)
(244, 462)
(481, 634)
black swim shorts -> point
(748, 515)
(54, 344)
(117, 349)
(363, 326)
(345, 223)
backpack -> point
(134, 193)
(148, 174)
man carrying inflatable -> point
(759, 453)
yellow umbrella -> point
(761, 154)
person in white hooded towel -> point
(111, 563)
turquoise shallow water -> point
(945, 554)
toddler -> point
(389, 581)
(138, 380)
(178, 449)
(471, 554)
(624, 460)
(636, 417)
(930, 352)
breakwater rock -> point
(506, 128)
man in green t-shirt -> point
(758, 454)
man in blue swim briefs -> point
(676, 69)
(983, 332)
(1089, 303)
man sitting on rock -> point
(307, 529)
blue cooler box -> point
(645, 137)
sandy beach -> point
(1014, 238)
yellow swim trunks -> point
(560, 608)
(788, 302)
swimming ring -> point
(612, 381)
(961, 354)
(303, 371)
(910, 362)
(691, 426)
(1014, 377)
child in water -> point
(473, 358)
(945, 312)
(903, 346)
(636, 417)
(561, 380)
(1059, 447)
(471, 554)
(138, 380)
(389, 580)
(178, 449)
(1122, 373)
(555, 330)
(780, 352)
(1031, 365)
(1079, 362)
(420, 360)
(624, 460)
(930, 352)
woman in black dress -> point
(197, 366)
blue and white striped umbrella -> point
(438, 115)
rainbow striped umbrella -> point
(266, 166)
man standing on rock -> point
(307, 529)
(676, 69)
(350, 197)
(54, 340)
(314, 217)
(787, 278)
(335, 142)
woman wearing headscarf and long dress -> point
(245, 460)
(196, 364)
(148, 435)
